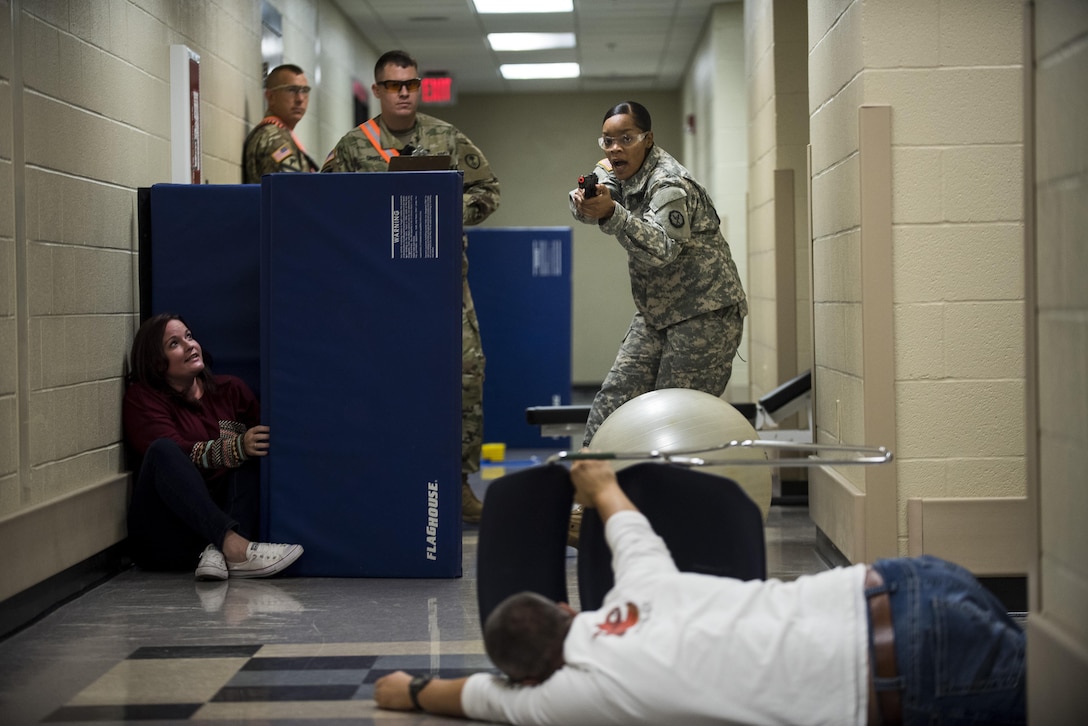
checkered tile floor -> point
(159, 648)
(257, 682)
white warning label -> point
(414, 226)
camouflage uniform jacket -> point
(432, 137)
(271, 148)
(679, 262)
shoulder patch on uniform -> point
(676, 218)
(472, 161)
(281, 153)
(663, 197)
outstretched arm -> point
(595, 485)
(441, 695)
(638, 554)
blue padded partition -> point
(204, 264)
(520, 280)
(361, 346)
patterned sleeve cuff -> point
(239, 446)
(226, 451)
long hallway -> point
(163, 648)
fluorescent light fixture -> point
(522, 71)
(530, 41)
(524, 6)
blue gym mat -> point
(361, 345)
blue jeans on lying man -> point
(960, 657)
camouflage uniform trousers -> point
(472, 384)
(695, 353)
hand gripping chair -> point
(709, 524)
(523, 536)
(707, 521)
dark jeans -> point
(959, 655)
(174, 513)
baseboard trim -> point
(77, 526)
(987, 535)
(1057, 671)
(85, 533)
(837, 508)
(31, 605)
(828, 552)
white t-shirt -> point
(683, 648)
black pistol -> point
(588, 183)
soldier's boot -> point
(574, 529)
(471, 507)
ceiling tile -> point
(620, 42)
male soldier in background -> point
(398, 130)
(272, 146)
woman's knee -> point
(163, 449)
(164, 458)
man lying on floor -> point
(904, 640)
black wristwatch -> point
(418, 684)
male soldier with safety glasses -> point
(272, 146)
(401, 130)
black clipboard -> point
(420, 163)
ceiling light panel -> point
(524, 6)
(523, 71)
(529, 41)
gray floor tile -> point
(140, 645)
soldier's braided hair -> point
(634, 109)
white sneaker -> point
(264, 559)
(212, 566)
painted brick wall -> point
(777, 76)
(88, 127)
(951, 72)
(1058, 632)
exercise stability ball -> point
(680, 419)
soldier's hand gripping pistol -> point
(588, 184)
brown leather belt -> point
(884, 706)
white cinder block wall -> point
(762, 330)
(716, 151)
(1058, 627)
(951, 72)
(340, 59)
(9, 347)
(84, 123)
(776, 69)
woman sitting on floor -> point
(196, 436)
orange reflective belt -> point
(370, 128)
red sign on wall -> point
(437, 90)
(185, 146)
(194, 118)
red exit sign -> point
(438, 89)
